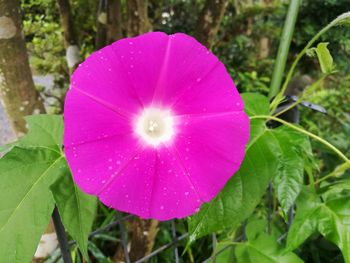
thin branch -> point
(299, 129)
(124, 241)
(176, 251)
(162, 248)
(61, 236)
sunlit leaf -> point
(324, 58)
(44, 131)
(26, 202)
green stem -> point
(279, 96)
(300, 99)
(283, 48)
(337, 172)
(301, 130)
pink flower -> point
(154, 125)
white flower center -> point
(155, 126)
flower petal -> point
(211, 147)
(131, 189)
(143, 59)
(88, 120)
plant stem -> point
(337, 171)
(279, 96)
(299, 129)
(270, 208)
(283, 48)
(300, 99)
(61, 236)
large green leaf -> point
(294, 147)
(330, 218)
(76, 208)
(261, 247)
(26, 202)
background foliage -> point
(277, 208)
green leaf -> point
(261, 247)
(26, 202)
(76, 208)
(241, 194)
(324, 58)
(98, 254)
(294, 147)
(330, 218)
(44, 131)
(226, 254)
(255, 104)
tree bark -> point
(17, 89)
(264, 47)
(70, 37)
(114, 27)
(142, 234)
(209, 21)
(101, 26)
(137, 13)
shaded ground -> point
(6, 133)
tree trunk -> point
(209, 21)
(264, 47)
(70, 37)
(137, 13)
(101, 26)
(114, 27)
(17, 89)
(142, 234)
